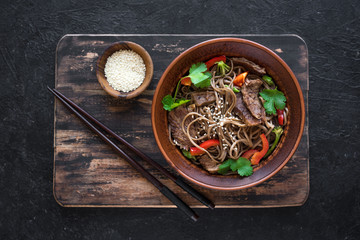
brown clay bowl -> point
(286, 82)
(100, 65)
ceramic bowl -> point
(124, 46)
(284, 79)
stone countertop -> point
(30, 31)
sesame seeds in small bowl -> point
(124, 70)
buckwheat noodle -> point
(217, 120)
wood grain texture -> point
(88, 173)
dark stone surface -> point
(30, 31)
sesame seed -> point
(125, 70)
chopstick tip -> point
(50, 89)
(195, 217)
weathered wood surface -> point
(88, 173)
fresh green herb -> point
(225, 166)
(242, 166)
(188, 155)
(222, 67)
(169, 103)
(234, 89)
(199, 75)
(268, 80)
(278, 132)
(274, 99)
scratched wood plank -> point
(87, 173)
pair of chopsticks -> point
(82, 114)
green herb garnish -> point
(242, 166)
(169, 103)
(199, 75)
(222, 67)
(268, 80)
(274, 99)
(188, 155)
(234, 89)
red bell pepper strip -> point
(249, 153)
(278, 131)
(186, 81)
(194, 151)
(214, 60)
(259, 155)
(280, 114)
(240, 79)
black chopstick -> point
(162, 188)
(175, 179)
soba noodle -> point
(217, 120)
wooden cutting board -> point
(88, 173)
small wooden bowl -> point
(284, 79)
(100, 65)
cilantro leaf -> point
(208, 74)
(169, 103)
(268, 80)
(245, 171)
(274, 99)
(242, 166)
(179, 102)
(200, 80)
(199, 75)
(199, 67)
(188, 155)
(225, 166)
(240, 163)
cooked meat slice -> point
(175, 119)
(250, 92)
(208, 164)
(241, 110)
(203, 98)
(249, 65)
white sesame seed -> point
(125, 70)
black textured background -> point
(30, 31)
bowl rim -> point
(147, 80)
(242, 41)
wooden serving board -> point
(88, 173)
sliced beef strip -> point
(208, 164)
(175, 119)
(203, 98)
(250, 92)
(241, 110)
(249, 65)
